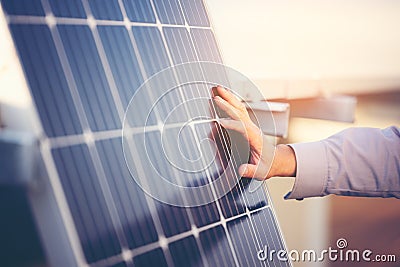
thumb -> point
(247, 170)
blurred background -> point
(313, 49)
(292, 50)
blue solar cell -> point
(87, 204)
(169, 106)
(216, 247)
(197, 100)
(23, 7)
(120, 264)
(69, 9)
(206, 45)
(151, 49)
(106, 9)
(152, 258)
(46, 79)
(169, 12)
(122, 60)
(195, 13)
(179, 44)
(250, 235)
(182, 153)
(185, 251)
(139, 11)
(128, 197)
(232, 204)
(205, 215)
(173, 219)
(89, 77)
(154, 57)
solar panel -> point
(84, 61)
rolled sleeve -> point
(312, 170)
(355, 162)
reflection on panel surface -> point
(82, 78)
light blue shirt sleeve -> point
(354, 162)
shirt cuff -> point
(312, 170)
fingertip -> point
(220, 88)
(214, 90)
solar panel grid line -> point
(25, 19)
(255, 232)
(279, 231)
(105, 63)
(29, 19)
(62, 202)
(176, 77)
(129, 27)
(223, 219)
(69, 76)
(59, 197)
(198, 142)
(194, 228)
(150, 202)
(247, 211)
(183, 97)
(165, 252)
(217, 203)
(250, 220)
(220, 211)
(212, 28)
(228, 236)
(93, 152)
(90, 137)
(181, 94)
(72, 86)
(214, 193)
(233, 252)
(249, 216)
(108, 196)
(151, 246)
(84, 122)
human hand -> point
(265, 159)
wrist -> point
(284, 162)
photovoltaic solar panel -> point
(83, 61)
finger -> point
(228, 108)
(258, 172)
(233, 125)
(253, 135)
(229, 97)
(247, 170)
